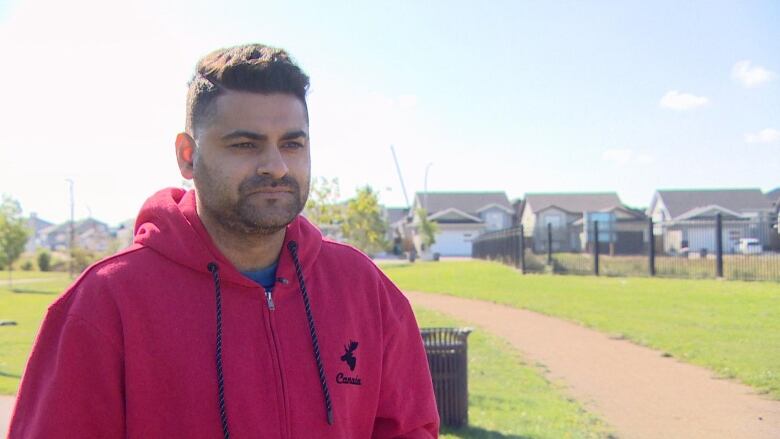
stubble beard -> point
(243, 216)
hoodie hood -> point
(169, 224)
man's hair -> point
(252, 67)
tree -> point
(428, 229)
(363, 225)
(44, 261)
(323, 208)
(13, 234)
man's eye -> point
(243, 145)
(292, 145)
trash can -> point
(446, 349)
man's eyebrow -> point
(295, 134)
(262, 137)
(244, 134)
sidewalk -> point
(642, 394)
(6, 405)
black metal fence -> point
(717, 248)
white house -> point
(36, 225)
(572, 215)
(685, 218)
(461, 217)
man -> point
(230, 315)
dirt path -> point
(640, 393)
(6, 405)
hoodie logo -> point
(351, 360)
(348, 357)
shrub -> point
(44, 261)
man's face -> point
(252, 165)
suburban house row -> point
(683, 220)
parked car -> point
(749, 246)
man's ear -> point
(185, 153)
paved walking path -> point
(6, 405)
(640, 393)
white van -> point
(749, 246)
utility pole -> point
(72, 236)
(400, 177)
(425, 187)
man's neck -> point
(246, 252)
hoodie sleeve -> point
(407, 406)
(73, 384)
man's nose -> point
(273, 164)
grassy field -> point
(730, 327)
(737, 267)
(24, 275)
(25, 305)
(509, 399)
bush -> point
(83, 258)
(27, 266)
(44, 261)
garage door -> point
(453, 243)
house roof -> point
(709, 211)
(395, 214)
(678, 202)
(573, 202)
(773, 195)
(37, 224)
(460, 216)
(467, 202)
(79, 227)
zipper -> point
(269, 300)
(271, 326)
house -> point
(89, 234)
(123, 233)
(685, 218)
(35, 225)
(460, 217)
(571, 218)
(774, 197)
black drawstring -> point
(220, 377)
(292, 246)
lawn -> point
(735, 267)
(731, 327)
(510, 399)
(25, 305)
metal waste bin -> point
(446, 349)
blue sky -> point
(515, 96)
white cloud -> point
(675, 100)
(768, 135)
(749, 75)
(623, 157)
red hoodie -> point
(131, 350)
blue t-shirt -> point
(265, 276)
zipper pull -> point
(269, 300)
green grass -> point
(510, 399)
(26, 305)
(731, 327)
(24, 275)
(735, 267)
